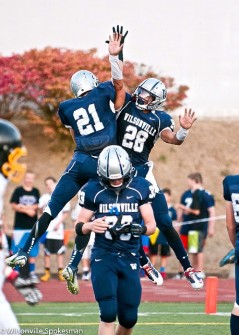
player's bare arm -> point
(186, 122)
(148, 218)
(98, 225)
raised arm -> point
(116, 61)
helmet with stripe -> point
(114, 164)
(150, 94)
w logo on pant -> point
(133, 266)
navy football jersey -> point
(137, 131)
(105, 202)
(207, 202)
(231, 193)
(92, 118)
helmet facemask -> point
(150, 94)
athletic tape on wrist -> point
(115, 67)
(181, 134)
(78, 228)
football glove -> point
(136, 229)
(119, 30)
(118, 228)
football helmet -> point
(153, 88)
(82, 82)
(11, 150)
(114, 163)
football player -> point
(140, 123)
(117, 203)
(90, 116)
(11, 151)
(231, 195)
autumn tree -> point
(34, 83)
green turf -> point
(154, 319)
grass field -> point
(154, 319)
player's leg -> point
(8, 320)
(128, 299)
(70, 271)
(148, 268)
(165, 225)
(234, 320)
(66, 188)
(164, 253)
(104, 266)
(180, 273)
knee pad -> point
(127, 320)
(108, 311)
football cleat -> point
(193, 278)
(28, 290)
(229, 258)
(70, 275)
(153, 274)
(20, 259)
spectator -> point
(54, 238)
(24, 201)
(196, 204)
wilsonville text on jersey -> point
(122, 207)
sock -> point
(79, 248)
(234, 324)
(37, 231)
(176, 244)
(162, 269)
(143, 259)
(24, 271)
(32, 267)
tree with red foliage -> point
(33, 84)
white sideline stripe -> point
(140, 314)
(184, 223)
(138, 324)
(214, 218)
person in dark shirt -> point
(24, 202)
(197, 204)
